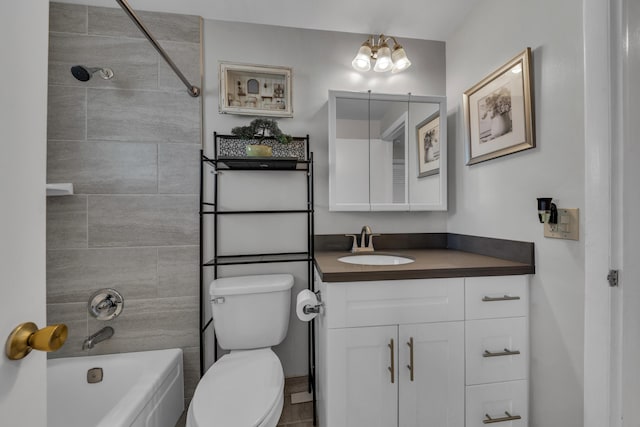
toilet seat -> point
(242, 389)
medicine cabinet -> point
(387, 152)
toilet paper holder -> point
(309, 309)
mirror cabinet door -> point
(388, 172)
(427, 160)
(350, 157)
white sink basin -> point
(376, 259)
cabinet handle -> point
(506, 352)
(392, 368)
(509, 417)
(410, 365)
(503, 298)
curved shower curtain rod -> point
(193, 90)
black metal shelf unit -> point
(211, 207)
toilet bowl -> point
(245, 388)
(242, 389)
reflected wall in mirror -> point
(388, 121)
(386, 152)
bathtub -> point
(143, 389)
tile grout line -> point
(86, 113)
(86, 11)
(87, 220)
(120, 37)
(157, 169)
(157, 273)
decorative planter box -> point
(236, 148)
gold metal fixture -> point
(410, 365)
(364, 247)
(26, 337)
(506, 352)
(378, 51)
(509, 417)
(392, 368)
(504, 298)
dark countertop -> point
(436, 256)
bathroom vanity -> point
(440, 342)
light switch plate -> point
(567, 227)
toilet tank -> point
(251, 311)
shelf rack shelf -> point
(209, 206)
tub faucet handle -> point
(106, 304)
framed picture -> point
(255, 90)
(428, 144)
(499, 112)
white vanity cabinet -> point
(413, 353)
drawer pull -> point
(506, 352)
(509, 417)
(410, 365)
(503, 298)
(392, 368)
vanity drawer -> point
(391, 302)
(496, 350)
(496, 296)
(502, 402)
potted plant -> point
(261, 129)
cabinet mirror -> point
(386, 152)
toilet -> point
(245, 388)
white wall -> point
(498, 198)
(321, 60)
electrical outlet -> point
(567, 227)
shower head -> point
(84, 74)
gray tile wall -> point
(130, 146)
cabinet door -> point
(435, 396)
(388, 154)
(349, 153)
(361, 390)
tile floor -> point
(298, 415)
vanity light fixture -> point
(380, 53)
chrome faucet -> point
(102, 335)
(364, 247)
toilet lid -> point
(240, 389)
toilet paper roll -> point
(305, 297)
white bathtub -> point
(144, 389)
